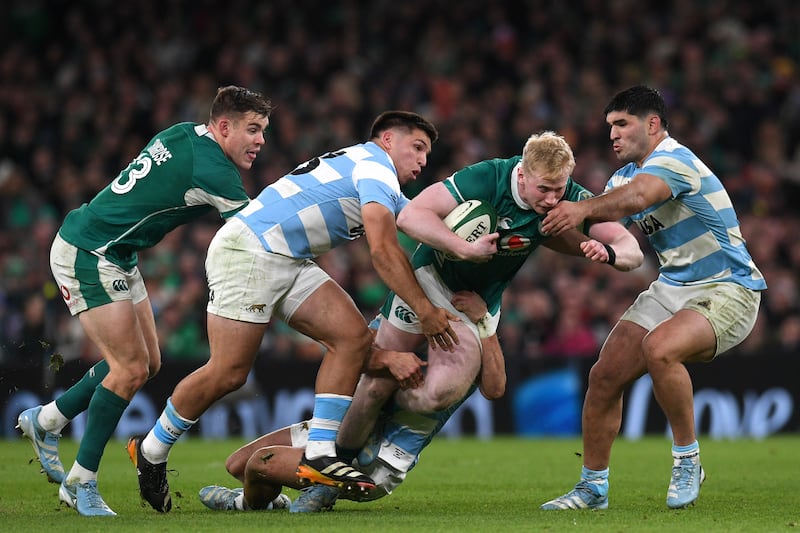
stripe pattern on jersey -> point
(318, 205)
(695, 233)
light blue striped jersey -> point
(317, 206)
(696, 232)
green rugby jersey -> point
(493, 181)
(179, 176)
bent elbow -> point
(494, 392)
(402, 220)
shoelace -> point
(683, 476)
(92, 496)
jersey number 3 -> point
(136, 170)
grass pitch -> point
(459, 485)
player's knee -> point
(604, 378)
(235, 465)
(655, 352)
(233, 379)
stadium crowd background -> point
(84, 85)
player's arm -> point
(636, 196)
(422, 220)
(492, 377)
(608, 242)
(404, 367)
(611, 243)
(391, 263)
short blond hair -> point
(548, 153)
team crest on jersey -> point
(514, 243)
(405, 314)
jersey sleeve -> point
(377, 183)
(679, 173)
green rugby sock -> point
(105, 410)
(76, 399)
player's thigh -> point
(114, 328)
(390, 337)
(454, 370)
(329, 315)
(233, 344)
(694, 323)
(732, 311)
(685, 337)
(621, 360)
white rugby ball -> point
(470, 220)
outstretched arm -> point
(625, 247)
(608, 242)
(634, 197)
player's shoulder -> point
(670, 149)
(575, 191)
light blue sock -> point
(598, 480)
(690, 451)
(684, 450)
(166, 431)
(329, 411)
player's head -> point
(233, 100)
(547, 162)
(407, 138)
(405, 120)
(640, 101)
(238, 119)
(637, 121)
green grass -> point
(460, 485)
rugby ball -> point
(471, 220)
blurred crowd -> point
(84, 85)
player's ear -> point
(386, 137)
(654, 123)
(224, 126)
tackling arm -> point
(636, 196)
(390, 260)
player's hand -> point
(436, 328)
(406, 368)
(482, 249)
(471, 304)
(564, 216)
(595, 251)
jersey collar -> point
(514, 186)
